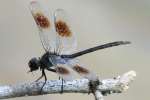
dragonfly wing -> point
(66, 41)
(64, 72)
(81, 69)
(62, 68)
(44, 24)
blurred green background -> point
(94, 22)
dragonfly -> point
(60, 45)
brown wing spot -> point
(41, 20)
(63, 29)
(80, 69)
(62, 70)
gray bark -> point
(109, 86)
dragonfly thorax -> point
(51, 59)
(45, 61)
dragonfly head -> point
(34, 64)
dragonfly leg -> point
(62, 81)
(52, 70)
(62, 85)
(43, 73)
(39, 78)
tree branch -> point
(109, 86)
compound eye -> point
(33, 64)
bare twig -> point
(109, 86)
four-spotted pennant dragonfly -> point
(59, 42)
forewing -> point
(44, 24)
(82, 69)
(66, 41)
